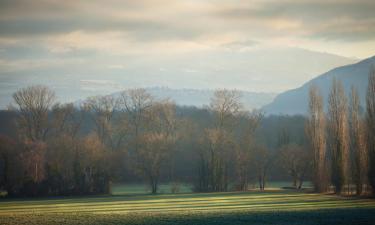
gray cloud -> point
(335, 20)
(20, 19)
(158, 20)
(305, 10)
(142, 29)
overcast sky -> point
(46, 36)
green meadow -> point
(165, 188)
(253, 207)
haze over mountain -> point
(85, 48)
(238, 66)
(201, 98)
(296, 101)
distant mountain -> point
(201, 98)
(296, 101)
(235, 66)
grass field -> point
(131, 189)
(270, 207)
(137, 189)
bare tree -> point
(93, 163)
(63, 147)
(219, 141)
(315, 129)
(218, 145)
(297, 161)
(157, 142)
(338, 135)
(67, 120)
(245, 147)
(370, 119)
(358, 143)
(136, 104)
(153, 151)
(226, 105)
(32, 105)
(102, 110)
(262, 161)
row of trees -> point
(80, 149)
(53, 154)
(342, 141)
(61, 149)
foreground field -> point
(272, 207)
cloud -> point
(240, 45)
(166, 20)
(346, 29)
(185, 42)
(43, 18)
(336, 20)
(116, 67)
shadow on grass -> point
(331, 216)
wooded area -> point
(49, 148)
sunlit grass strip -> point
(167, 198)
(186, 203)
(172, 201)
(199, 202)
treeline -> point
(66, 149)
(343, 139)
(51, 156)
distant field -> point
(131, 189)
(270, 207)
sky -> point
(181, 44)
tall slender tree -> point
(315, 129)
(358, 145)
(370, 119)
(338, 135)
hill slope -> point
(296, 101)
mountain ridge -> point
(355, 74)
